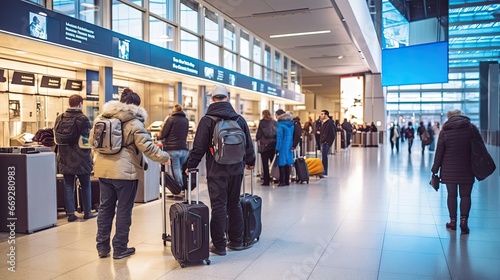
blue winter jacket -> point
(284, 140)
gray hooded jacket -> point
(129, 163)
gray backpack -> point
(228, 141)
(108, 136)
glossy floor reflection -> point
(374, 217)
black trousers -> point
(465, 200)
(284, 175)
(267, 158)
(116, 195)
(224, 195)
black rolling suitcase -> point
(190, 229)
(302, 173)
(252, 206)
(170, 182)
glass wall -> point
(161, 33)
(472, 39)
(162, 8)
(189, 15)
(190, 44)
(86, 10)
(127, 20)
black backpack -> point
(228, 141)
(65, 130)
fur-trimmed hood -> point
(285, 117)
(124, 112)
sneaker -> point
(128, 252)
(89, 215)
(103, 254)
(237, 246)
(217, 251)
(71, 218)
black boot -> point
(282, 176)
(452, 224)
(287, 176)
(464, 225)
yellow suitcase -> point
(315, 166)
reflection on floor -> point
(374, 217)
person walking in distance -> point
(410, 135)
(347, 127)
(453, 160)
(284, 145)
(120, 173)
(223, 180)
(73, 161)
(174, 134)
(327, 137)
(266, 137)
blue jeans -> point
(177, 159)
(69, 192)
(325, 149)
(119, 195)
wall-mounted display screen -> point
(124, 49)
(38, 26)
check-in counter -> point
(27, 192)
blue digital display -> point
(419, 64)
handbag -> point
(435, 180)
(482, 164)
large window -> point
(162, 8)
(229, 36)
(244, 44)
(161, 33)
(229, 60)
(257, 71)
(190, 44)
(244, 66)
(211, 26)
(189, 15)
(257, 51)
(127, 20)
(86, 10)
(212, 53)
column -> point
(178, 92)
(493, 105)
(105, 85)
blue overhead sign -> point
(30, 20)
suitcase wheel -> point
(207, 261)
(79, 209)
(183, 265)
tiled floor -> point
(374, 217)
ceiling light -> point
(88, 5)
(283, 13)
(300, 34)
(340, 56)
(21, 52)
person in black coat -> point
(453, 160)
(224, 181)
(174, 135)
(327, 137)
(394, 137)
(73, 161)
(317, 130)
(347, 127)
(266, 137)
(297, 134)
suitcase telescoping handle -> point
(194, 171)
(251, 182)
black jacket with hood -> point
(174, 132)
(203, 141)
(453, 152)
(328, 132)
(266, 134)
(71, 159)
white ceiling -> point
(317, 53)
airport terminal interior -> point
(374, 63)
(374, 217)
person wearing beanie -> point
(284, 145)
(119, 173)
(174, 135)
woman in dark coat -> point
(453, 157)
(266, 137)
